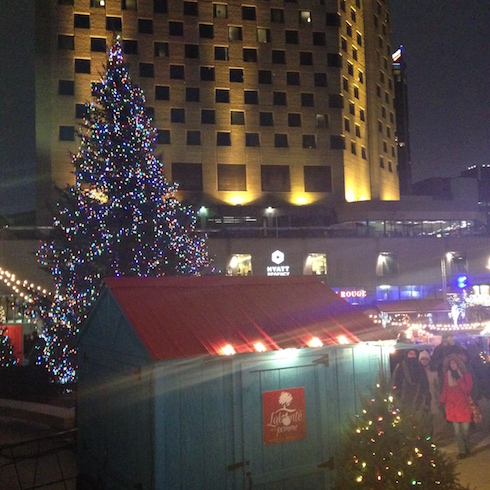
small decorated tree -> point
(7, 357)
(388, 446)
(121, 218)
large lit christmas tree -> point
(388, 446)
(121, 218)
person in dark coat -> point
(410, 380)
(447, 346)
(457, 386)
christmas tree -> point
(121, 218)
(389, 446)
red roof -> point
(184, 316)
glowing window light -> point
(342, 339)
(228, 350)
(259, 347)
(315, 342)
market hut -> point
(163, 403)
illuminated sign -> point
(353, 293)
(277, 257)
(284, 415)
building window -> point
(275, 178)
(65, 2)
(239, 265)
(252, 139)
(309, 141)
(221, 53)
(66, 42)
(192, 94)
(250, 55)
(278, 56)
(347, 125)
(353, 149)
(113, 24)
(294, 120)
(208, 116)
(332, 19)
(191, 51)
(176, 28)
(162, 92)
(223, 139)
(345, 84)
(177, 72)
(191, 8)
(305, 58)
(354, 53)
(266, 119)
(358, 130)
(390, 167)
(304, 17)
(387, 264)
(97, 3)
(281, 141)
(363, 153)
(66, 87)
(128, 5)
(206, 31)
(359, 39)
(222, 95)
(279, 98)
(381, 162)
(292, 78)
(80, 111)
(130, 46)
(265, 77)
(352, 108)
(81, 21)
(82, 66)
(237, 117)
(319, 39)
(188, 176)
(193, 138)
(263, 35)
(350, 68)
(291, 37)
(335, 101)
(160, 50)
(163, 136)
(321, 121)
(356, 92)
(251, 97)
(277, 15)
(177, 115)
(348, 29)
(248, 13)
(317, 179)
(334, 60)
(220, 11)
(145, 26)
(160, 6)
(316, 264)
(234, 33)
(320, 79)
(232, 177)
(360, 76)
(146, 70)
(67, 133)
(362, 115)
(236, 75)
(337, 142)
(307, 100)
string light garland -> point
(121, 218)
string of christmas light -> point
(24, 288)
(120, 218)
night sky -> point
(447, 46)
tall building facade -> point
(263, 103)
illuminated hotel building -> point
(266, 103)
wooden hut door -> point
(286, 438)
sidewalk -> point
(473, 470)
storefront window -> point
(315, 265)
(240, 265)
(387, 264)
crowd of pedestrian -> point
(443, 385)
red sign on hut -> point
(284, 415)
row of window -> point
(274, 178)
(206, 31)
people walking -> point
(410, 380)
(456, 389)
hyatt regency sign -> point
(279, 269)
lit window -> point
(234, 33)
(387, 264)
(239, 265)
(305, 17)
(316, 264)
(220, 11)
(263, 35)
